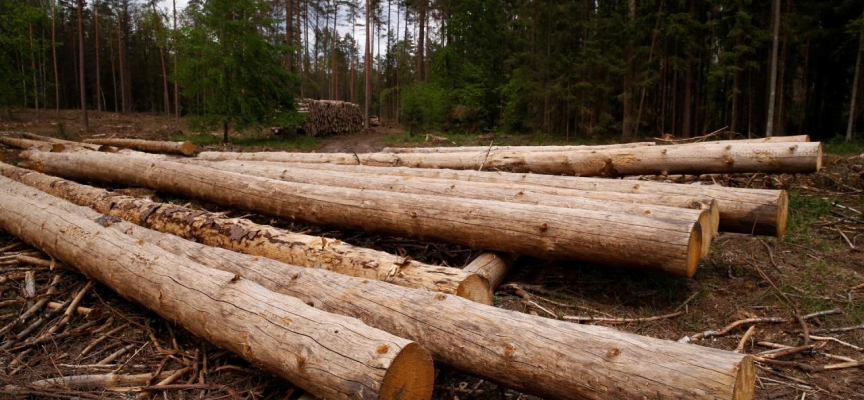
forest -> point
(575, 69)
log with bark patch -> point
(150, 146)
(541, 356)
(708, 218)
(645, 160)
(462, 149)
(605, 238)
(328, 355)
(752, 211)
(24, 144)
(261, 240)
(33, 136)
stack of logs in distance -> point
(330, 117)
(610, 222)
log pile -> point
(330, 117)
(646, 225)
(533, 354)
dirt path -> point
(370, 141)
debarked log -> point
(541, 356)
(605, 238)
(328, 355)
(261, 240)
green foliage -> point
(838, 145)
(803, 211)
(225, 59)
(16, 18)
(424, 106)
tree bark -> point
(54, 55)
(368, 73)
(421, 44)
(644, 160)
(83, 85)
(528, 353)
(33, 67)
(99, 96)
(708, 222)
(261, 240)
(176, 89)
(165, 96)
(772, 91)
(328, 355)
(753, 211)
(151, 146)
(611, 239)
(492, 266)
(289, 34)
(855, 81)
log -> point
(328, 355)
(482, 191)
(751, 211)
(772, 139)
(150, 146)
(484, 149)
(610, 239)
(69, 143)
(493, 266)
(542, 356)
(261, 240)
(645, 160)
(25, 144)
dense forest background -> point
(572, 68)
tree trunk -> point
(113, 68)
(368, 73)
(334, 88)
(124, 62)
(772, 91)
(225, 132)
(698, 158)
(752, 211)
(165, 93)
(855, 81)
(82, 84)
(150, 146)
(289, 34)
(54, 55)
(261, 240)
(545, 232)
(492, 266)
(289, 338)
(99, 97)
(480, 191)
(33, 66)
(421, 43)
(527, 353)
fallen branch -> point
(621, 320)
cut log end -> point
(745, 380)
(410, 376)
(714, 208)
(187, 148)
(57, 148)
(783, 211)
(475, 288)
(707, 231)
(694, 250)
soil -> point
(817, 267)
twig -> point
(487, 155)
(844, 329)
(48, 316)
(821, 313)
(770, 255)
(849, 242)
(620, 320)
(115, 355)
(771, 354)
(689, 299)
(167, 381)
(796, 311)
(539, 307)
(50, 338)
(838, 341)
(101, 339)
(730, 327)
(10, 247)
(73, 305)
(745, 338)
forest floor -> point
(816, 267)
